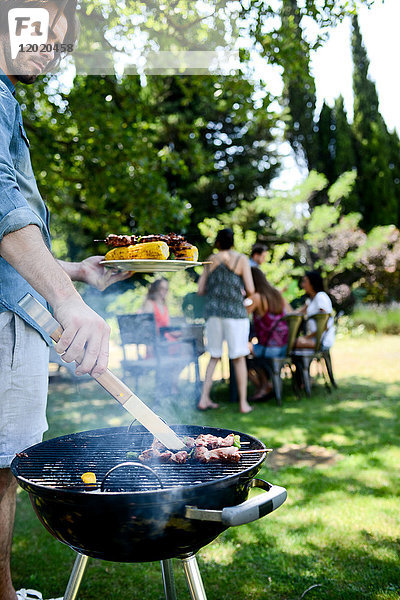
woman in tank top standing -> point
(223, 283)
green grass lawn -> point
(339, 528)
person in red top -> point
(156, 302)
(268, 307)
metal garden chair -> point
(303, 357)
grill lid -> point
(60, 462)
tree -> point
(223, 135)
(344, 158)
(330, 144)
(376, 187)
(299, 86)
(96, 166)
(184, 146)
(304, 236)
(344, 154)
(326, 143)
(117, 154)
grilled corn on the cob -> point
(188, 252)
(148, 250)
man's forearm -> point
(74, 270)
(27, 253)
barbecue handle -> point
(256, 507)
(247, 511)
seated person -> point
(268, 307)
(319, 302)
(156, 303)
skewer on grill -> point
(258, 451)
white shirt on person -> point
(321, 303)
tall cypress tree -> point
(394, 166)
(299, 85)
(344, 159)
(376, 184)
(331, 145)
(344, 140)
(326, 143)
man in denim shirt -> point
(27, 265)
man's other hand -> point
(97, 275)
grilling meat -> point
(153, 454)
(212, 441)
(176, 244)
(207, 440)
(205, 448)
(180, 457)
(229, 454)
(173, 240)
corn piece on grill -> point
(148, 250)
(88, 477)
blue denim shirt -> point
(20, 201)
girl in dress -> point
(268, 307)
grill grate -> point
(59, 463)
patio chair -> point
(303, 357)
(193, 307)
(274, 366)
(192, 336)
(146, 352)
(294, 322)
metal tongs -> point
(114, 386)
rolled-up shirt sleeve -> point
(15, 213)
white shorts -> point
(24, 368)
(234, 331)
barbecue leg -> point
(168, 579)
(76, 577)
(193, 577)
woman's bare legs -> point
(241, 381)
(205, 400)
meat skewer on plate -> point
(156, 246)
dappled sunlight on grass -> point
(368, 356)
(221, 554)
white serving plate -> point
(140, 265)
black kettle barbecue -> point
(138, 513)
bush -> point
(378, 319)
